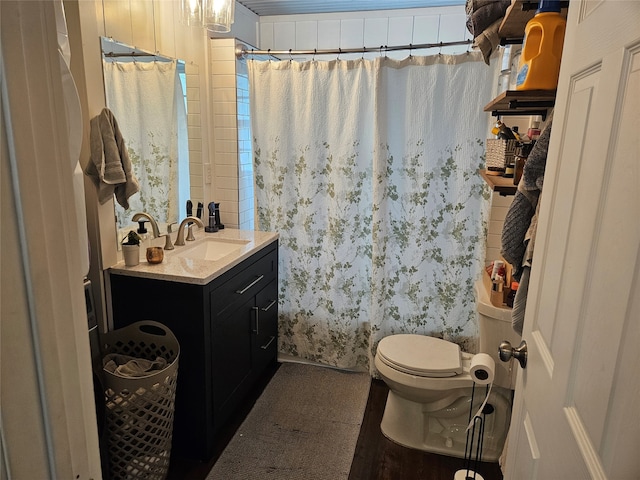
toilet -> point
(430, 388)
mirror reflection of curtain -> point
(148, 102)
(368, 172)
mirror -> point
(148, 96)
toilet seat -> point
(420, 355)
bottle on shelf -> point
(512, 294)
(542, 48)
(534, 129)
(502, 131)
(516, 133)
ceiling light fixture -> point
(192, 13)
(218, 15)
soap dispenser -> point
(211, 227)
(142, 231)
(217, 215)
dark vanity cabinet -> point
(227, 331)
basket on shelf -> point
(140, 410)
(500, 153)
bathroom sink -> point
(211, 249)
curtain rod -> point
(131, 54)
(242, 52)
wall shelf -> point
(522, 102)
(511, 29)
(504, 186)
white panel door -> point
(576, 413)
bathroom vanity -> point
(224, 313)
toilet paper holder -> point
(506, 352)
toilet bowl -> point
(430, 388)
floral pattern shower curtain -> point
(368, 171)
(147, 101)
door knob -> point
(506, 351)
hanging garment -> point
(110, 167)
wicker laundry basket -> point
(139, 410)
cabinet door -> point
(230, 334)
(264, 337)
(182, 308)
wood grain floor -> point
(375, 458)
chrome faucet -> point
(183, 224)
(154, 226)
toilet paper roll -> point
(483, 369)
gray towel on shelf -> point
(110, 167)
(488, 40)
(517, 231)
(481, 14)
(131, 367)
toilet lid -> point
(421, 355)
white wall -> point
(499, 208)
(366, 29)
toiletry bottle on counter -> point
(542, 48)
(512, 294)
(497, 294)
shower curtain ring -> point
(313, 59)
(410, 47)
(440, 51)
(290, 57)
(339, 52)
(363, 50)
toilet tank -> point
(494, 326)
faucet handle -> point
(190, 237)
(167, 242)
(169, 229)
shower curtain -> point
(368, 170)
(148, 103)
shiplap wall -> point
(366, 29)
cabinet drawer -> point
(243, 282)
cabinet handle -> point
(273, 302)
(240, 292)
(264, 347)
(257, 329)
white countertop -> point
(200, 272)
